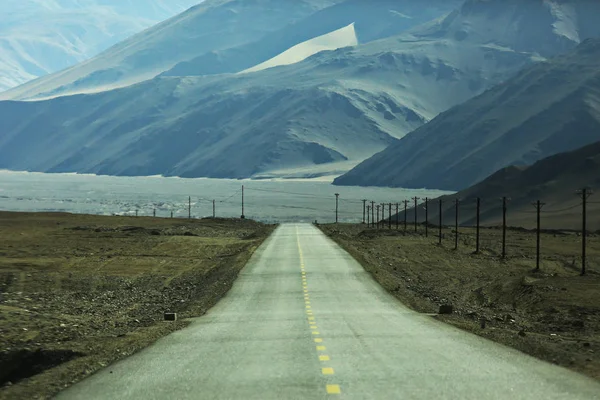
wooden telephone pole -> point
(538, 206)
(584, 193)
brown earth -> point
(78, 292)
(552, 314)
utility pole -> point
(456, 226)
(416, 199)
(538, 205)
(190, 207)
(426, 217)
(243, 215)
(368, 215)
(441, 222)
(154, 213)
(378, 206)
(136, 213)
(405, 214)
(390, 216)
(373, 214)
(478, 220)
(584, 193)
(504, 208)
(337, 197)
(171, 213)
(214, 210)
(364, 209)
(397, 216)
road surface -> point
(305, 321)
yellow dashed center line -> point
(330, 388)
(333, 389)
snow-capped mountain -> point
(549, 108)
(39, 37)
(322, 115)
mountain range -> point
(39, 37)
(210, 26)
(225, 104)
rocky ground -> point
(552, 314)
(78, 292)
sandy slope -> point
(344, 37)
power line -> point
(230, 197)
(314, 196)
(555, 211)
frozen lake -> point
(264, 200)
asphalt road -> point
(339, 335)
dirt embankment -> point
(553, 314)
(79, 292)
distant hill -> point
(553, 180)
(40, 37)
(546, 109)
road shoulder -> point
(553, 315)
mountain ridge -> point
(545, 102)
(554, 180)
(210, 25)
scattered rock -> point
(446, 309)
(522, 333)
(170, 316)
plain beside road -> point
(553, 314)
(78, 292)
(305, 321)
